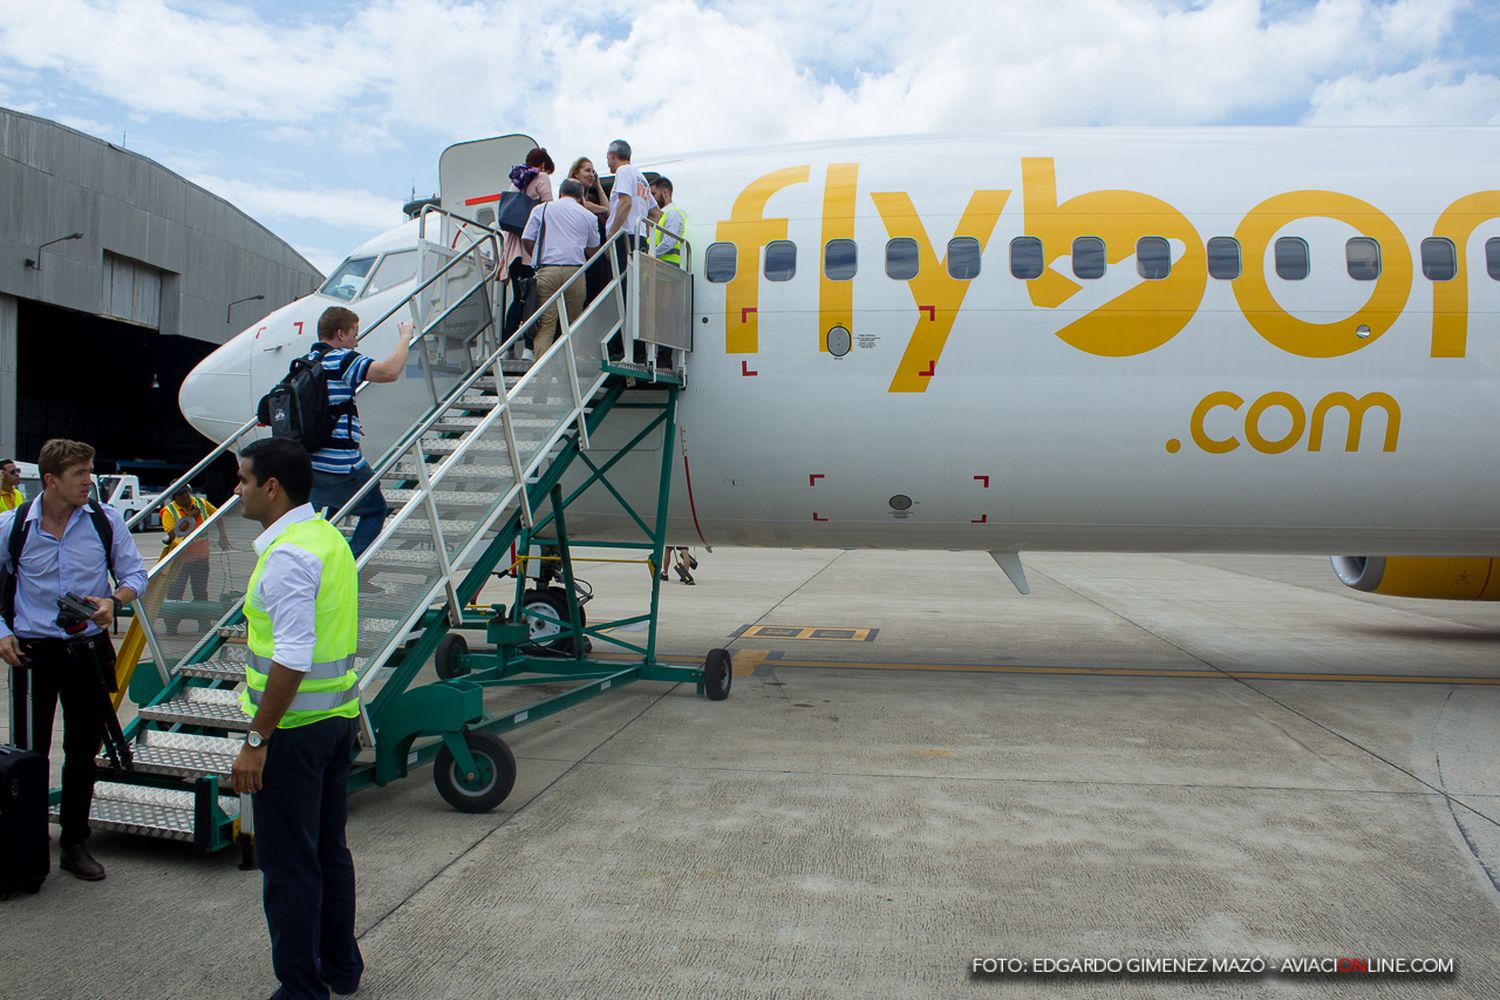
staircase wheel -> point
(555, 603)
(485, 789)
(447, 659)
(718, 674)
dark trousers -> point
(308, 873)
(57, 674)
(333, 491)
(194, 571)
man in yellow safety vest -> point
(11, 493)
(667, 246)
(302, 617)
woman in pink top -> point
(531, 177)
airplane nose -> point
(215, 396)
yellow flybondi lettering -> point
(749, 231)
(938, 295)
(1136, 321)
(1450, 299)
(836, 298)
(1321, 340)
(1259, 441)
(1211, 402)
(1357, 408)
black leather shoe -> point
(76, 859)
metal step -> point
(485, 401)
(182, 755)
(420, 527)
(461, 498)
(164, 813)
(455, 425)
(227, 664)
(211, 708)
(463, 471)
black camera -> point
(73, 613)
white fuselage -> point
(1061, 412)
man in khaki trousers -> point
(560, 236)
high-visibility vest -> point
(328, 689)
(11, 499)
(674, 255)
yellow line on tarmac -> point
(1248, 675)
(746, 661)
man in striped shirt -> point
(339, 468)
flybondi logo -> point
(1278, 422)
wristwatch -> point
(254, 740)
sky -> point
(319, 119)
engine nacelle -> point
(1473, 578)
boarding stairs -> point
(482, 447)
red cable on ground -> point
(687, 475)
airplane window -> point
(395, 269)
(1026, 257)
(720, 261)
(348, 278)
(1291, 258)
(1439, 259)
(1088, 257)
(1362, 257)
(781, 260)
(1153, 258)
(1492, 257)
(901, 258)
(840, 260)
(963, 258)
(1224, 258)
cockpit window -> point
(348, 278)
(394, 269)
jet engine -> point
(1472, 578)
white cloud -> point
(351, 209)
(673, 75)
(1427, 95)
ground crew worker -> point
(667, 246)
(179, 519)
(302, 615)
(11, 493)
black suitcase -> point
(25, 855)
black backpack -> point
(297, 407)
(20, 529)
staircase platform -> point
(163, 813)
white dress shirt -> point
(287, 591)
(572, 231)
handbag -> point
(515, 209)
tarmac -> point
(1188, 757)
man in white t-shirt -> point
(560, 235)
(629, 198)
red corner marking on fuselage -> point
(745, 370)
(298, 325)
(931, 370)
(980, 520)
(931, 312)
(817, 518)
(745, 313)
(985, 480)
(257, 334)
(813, 477)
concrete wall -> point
(54, 181)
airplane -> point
(1258, 340)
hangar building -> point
(98, 329)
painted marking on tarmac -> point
(746, 661)
(819, 632)
(758, 658)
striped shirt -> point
(344, 370)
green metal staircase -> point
(477, 470)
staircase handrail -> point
(249, 425)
